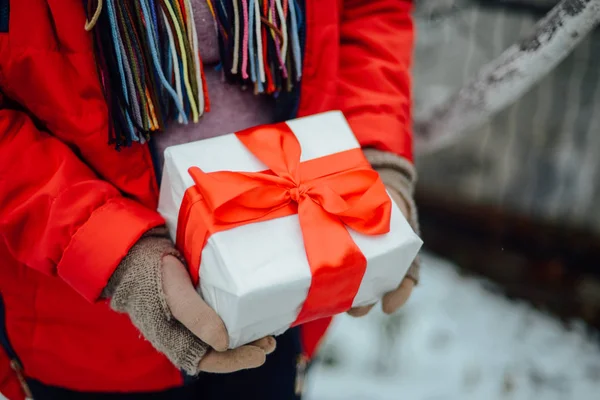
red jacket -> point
(71, 206)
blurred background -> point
(509, 303)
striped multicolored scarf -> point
(150, 67)
(147, 54)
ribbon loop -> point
(276, 146)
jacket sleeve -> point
(374, 89)
(56, 215)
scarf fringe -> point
(149, 65)
(259, 42)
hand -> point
(189, 309)
(154, 288)
(395, 299)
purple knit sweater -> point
(231, 108)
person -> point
(96, 302)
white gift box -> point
(256, 276)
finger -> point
(244, 357)
(267, 344)
(358, 312)
(395, 299)
(187, 306)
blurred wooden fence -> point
(506, 98)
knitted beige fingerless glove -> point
(135, 288)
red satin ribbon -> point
(328, 193)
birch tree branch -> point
(503, 81)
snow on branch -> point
(502, 82)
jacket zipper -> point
(15, 363)
(18, 368)
(301, 366)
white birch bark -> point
(504, 80)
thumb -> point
(189, 308)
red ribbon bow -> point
(328, 193)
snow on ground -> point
(456, 339)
